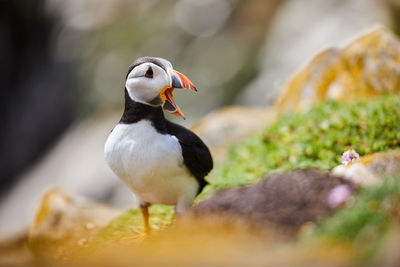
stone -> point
(286, 201)
(15, 252)
(298, 30)
(63, 221)
(370, 169)
(367, 67)
(228, 125)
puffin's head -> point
(152, 80)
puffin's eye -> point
(149, 73)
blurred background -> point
(63, 65)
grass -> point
(369, 215)
(129, 224)
(365, 222)
(315, 138)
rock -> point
(15, 252)
(224, 127)
(287, 200)
(298, 30)
(367, 67)
(370, 169)
(63, 221)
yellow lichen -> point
(366, 68)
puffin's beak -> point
(176, 80)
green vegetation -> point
(316, 138)
(366, 221)
(368, 216)
(129, 224)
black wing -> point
(196, 155)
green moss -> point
(316, 138)
(130, 223)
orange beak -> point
(176, 80)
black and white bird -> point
(160, 161)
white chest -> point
(150, 164)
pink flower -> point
(338, 195)
(349, 156)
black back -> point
(196, 156)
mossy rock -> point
(365, 68)
(313, 139)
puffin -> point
(161, 162)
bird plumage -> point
(196, 155)
(160, 161)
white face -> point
(145, 82)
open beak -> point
(176, 80)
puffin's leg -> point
(183, 205)
(186, 200)
(144, 208)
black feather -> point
(135, 112)
(196, 155)
(143, 60)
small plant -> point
(350, 156)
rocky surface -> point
(66, 230)
(286, 200)
(63, 221)
(15, 252)
(300, 29)
(371, 169)
(367, 67)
